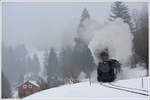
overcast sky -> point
(40, 25)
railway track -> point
(109, 85)
(128, 87)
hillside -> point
(96, 90)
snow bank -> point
(116, 37)
(128, 72)
(15, 93)
(84, 90)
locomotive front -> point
(107, 68)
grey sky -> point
(40, 25)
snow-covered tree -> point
(85, 16)
(120, 10)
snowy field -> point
(96, 90)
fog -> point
(60, 42)
(41, 25)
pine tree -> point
(81, 54)
(29, 64)
(35, 64)
(120, 10)
(69, 68)
(140, 41)
(52, 64)
(21, 79)
(14, 58)
(85, 16)
(6, 88)
(46, 54)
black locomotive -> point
(107, 68)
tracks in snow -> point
(127, 89)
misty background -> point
(48, 22)
(49, 42)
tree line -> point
(16, 63)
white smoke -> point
(87, 32)
(116, 37)
(81, 76)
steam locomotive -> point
(108, 68)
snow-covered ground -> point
(84, 90)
